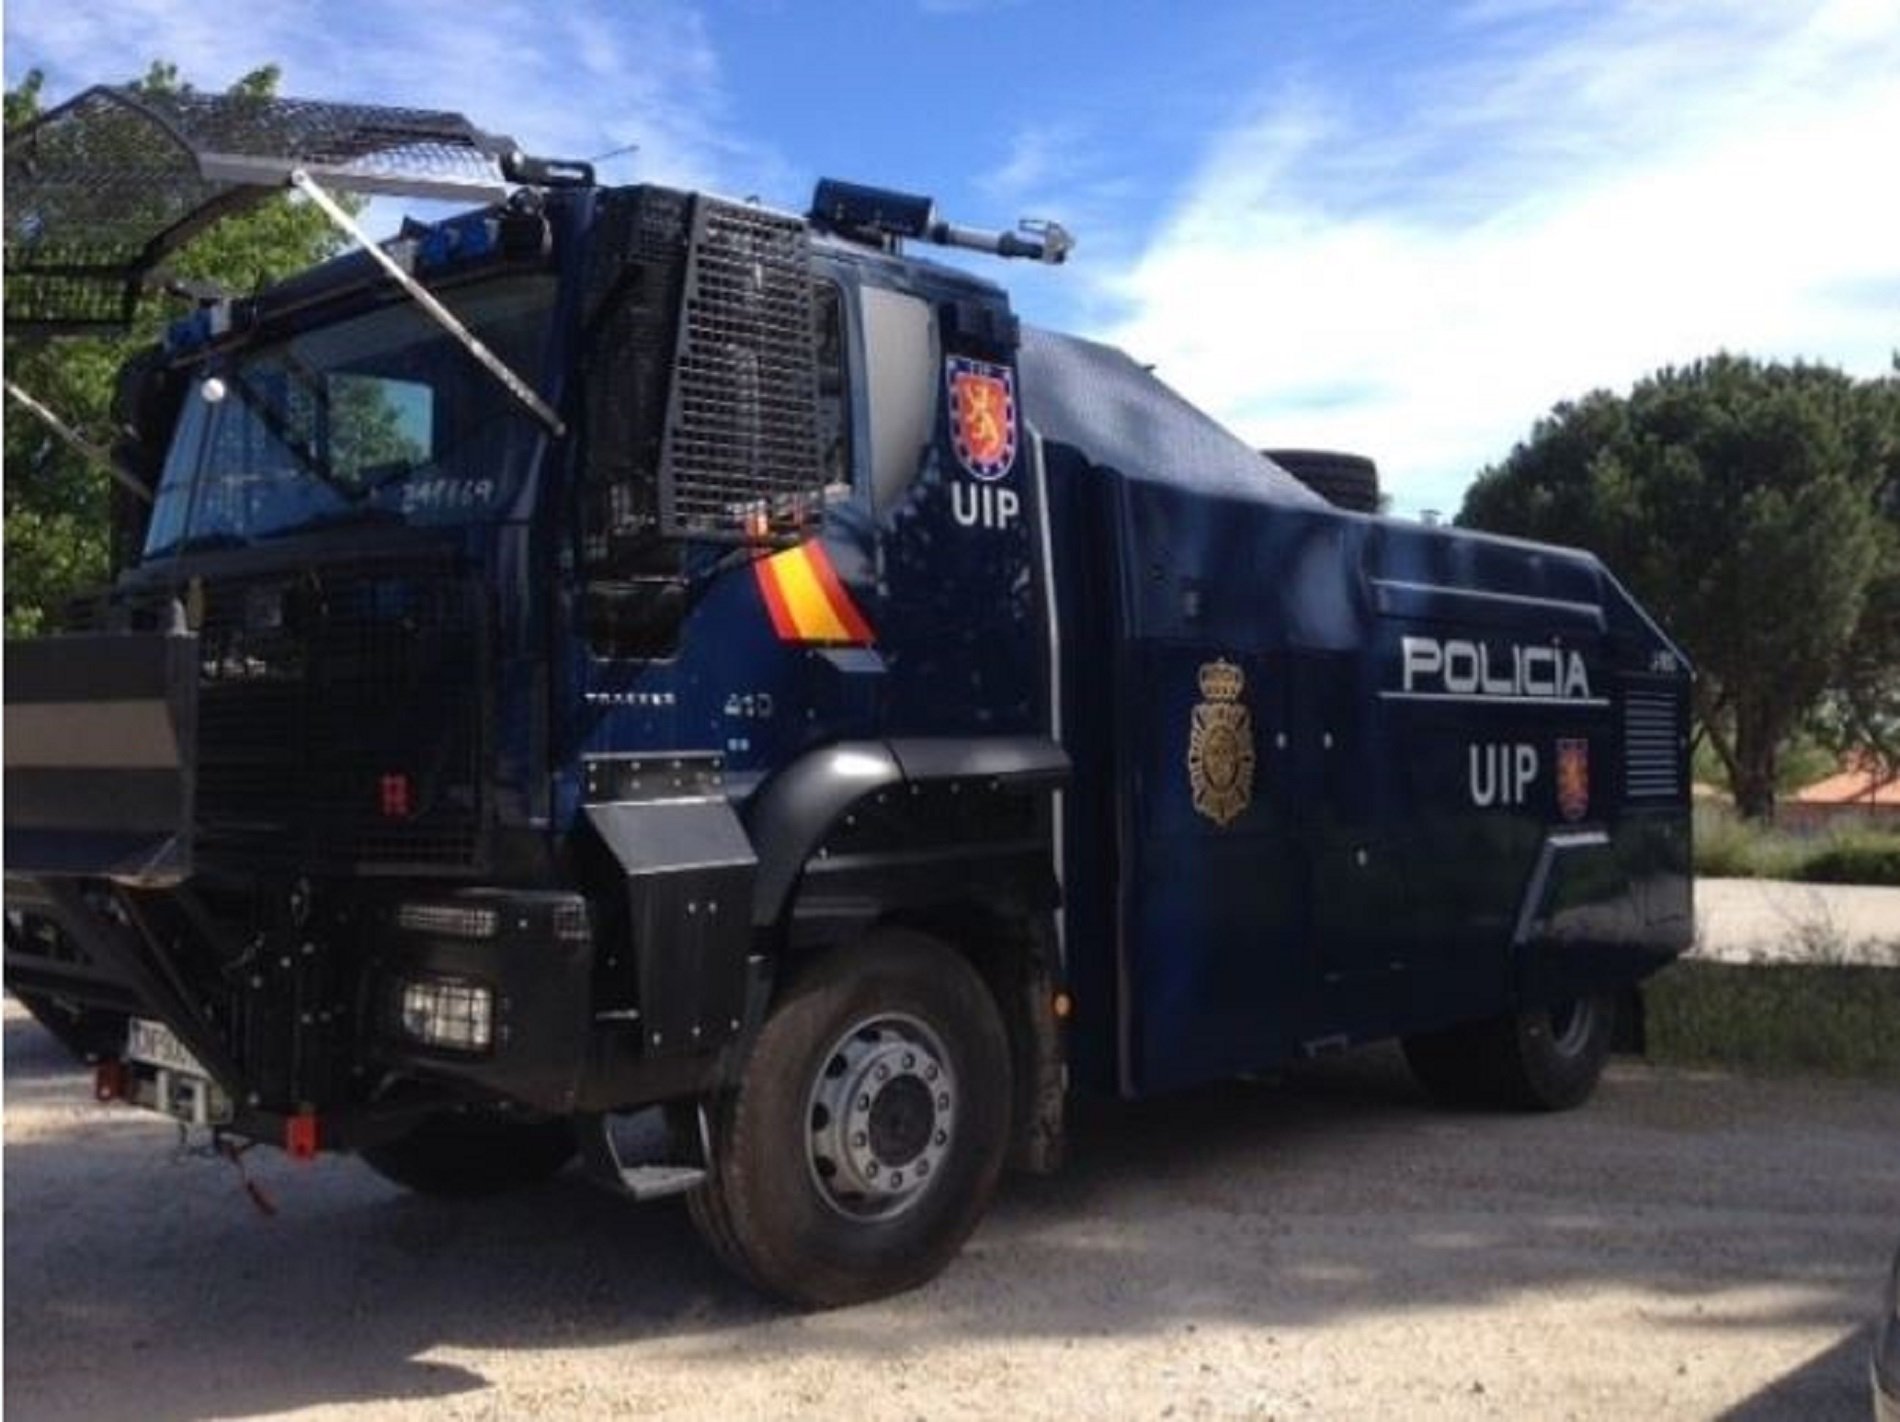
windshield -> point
(383, 418)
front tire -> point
(1544, 1060)
(466, 1155)
(868, 1127)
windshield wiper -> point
(356, 516)
(204, 543)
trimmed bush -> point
(1857, 859)
(1843, 1020)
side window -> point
(834, 398)
(901, 374)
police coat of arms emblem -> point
(1573, 779)
(982, 416)
(1220, 745)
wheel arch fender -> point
(798, 809)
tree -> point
(1861, 713)
(57, 511)
(1742, 502)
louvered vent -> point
(1652, 746)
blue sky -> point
(1407, 229)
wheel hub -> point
(882, 1117)
(1571, 1024)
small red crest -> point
(982, 416)
(1573, 779)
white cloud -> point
(1589, 194)
(650, 72)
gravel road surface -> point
(1689, 1245)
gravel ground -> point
(1689, 1245)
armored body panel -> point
(1350, 777)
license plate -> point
(157, 1045)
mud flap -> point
(689, 869)
(99, 768)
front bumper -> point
(524, 959)
(292, 998)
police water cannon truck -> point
(621, 650)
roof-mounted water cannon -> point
(884, 217)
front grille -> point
(1652, 746)
(340, 719)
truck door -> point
(1214, 942)
(962, 626)
(1342, 776)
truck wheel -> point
(460, 1155)
(868, 1127)
(1548, 1060)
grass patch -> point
(1728, 847)
(1840, 1019)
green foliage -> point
(1861, 713)
(1806, 756)
(23, 100)
(1727, 847)
(1864, 858)
(57, 521)
(1744, 503)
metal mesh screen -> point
(315, 692)
(102, 188)
(636, 265)
(315, 689)
(741, 457)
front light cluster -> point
(449, 920)
(449, 1013)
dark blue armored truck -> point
(618, 648)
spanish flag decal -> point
(806, 600)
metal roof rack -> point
(101, 189)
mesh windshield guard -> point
(101, 189)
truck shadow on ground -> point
(141, 1288)
(1814, 1390)
(32, 1053)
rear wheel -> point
(463, 1155)
(868, 1128)
(1544, 1060)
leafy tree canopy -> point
(56, 502)
(1746, 503)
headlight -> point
(448, 1013)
